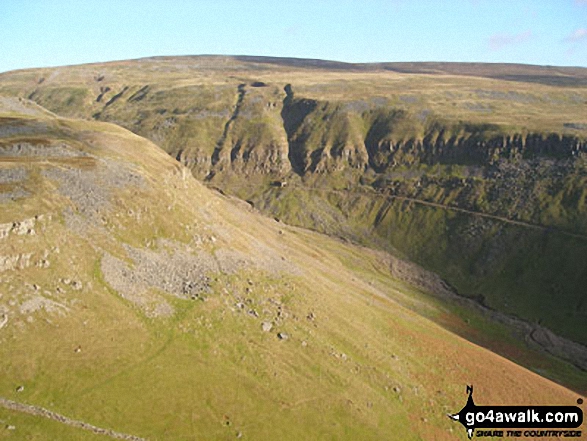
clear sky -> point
(36, 33)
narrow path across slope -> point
(447, 207)
(437, 205)
(490, 216)
(42, 412)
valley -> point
(226, 247)
(506, 142)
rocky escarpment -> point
(268, 130)
(537, 178)
(253, 140)
(272, 128)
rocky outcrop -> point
(253, 140)
(15, 261)
(320, 136)
(471, 148)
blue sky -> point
(35, 33)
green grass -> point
(209, 371)
(533, 274)
(347, 111)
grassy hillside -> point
(136, 300)
(477, 172)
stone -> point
(18, 261)
(266, 326)
(24, 227)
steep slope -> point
(135, 300)
(477, 172)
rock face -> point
(275, 133)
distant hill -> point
(549, 75)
